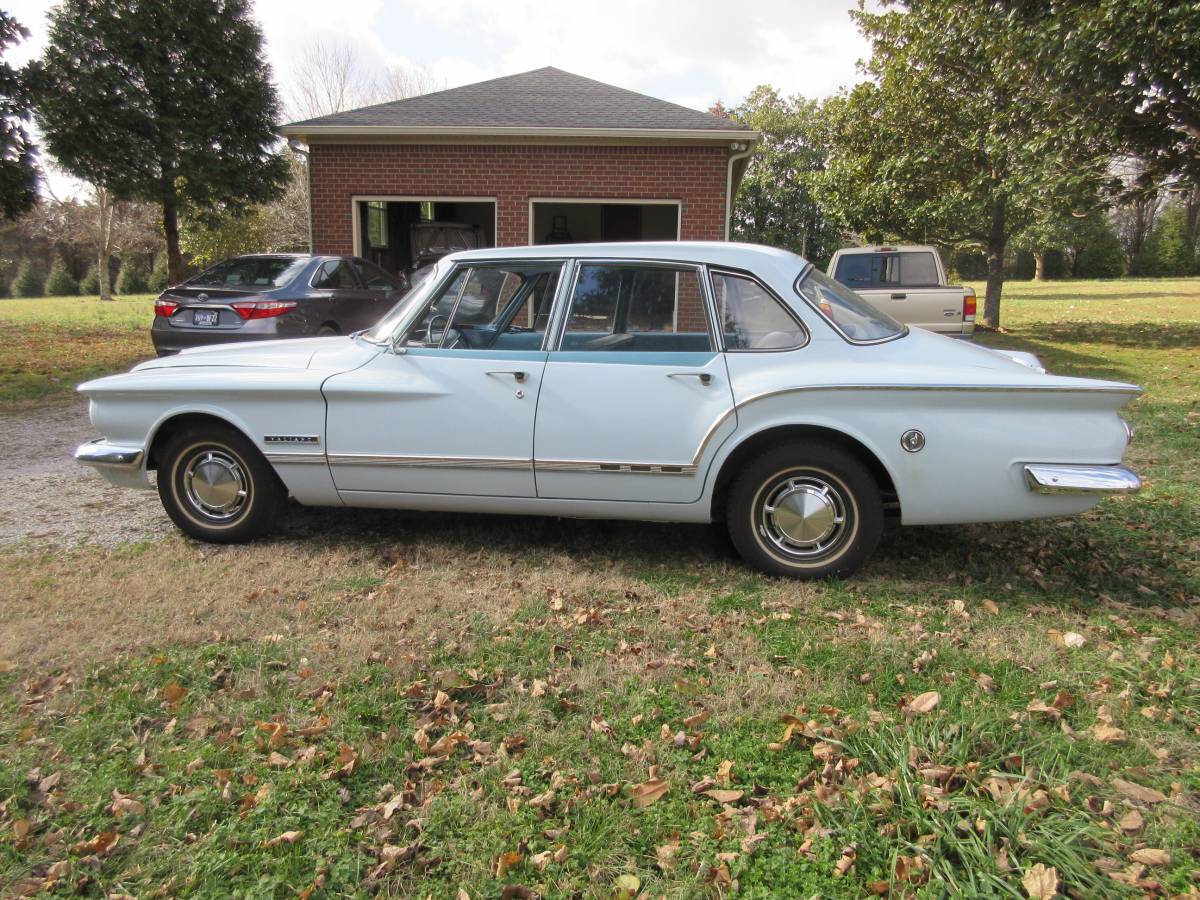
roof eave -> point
(302, 131)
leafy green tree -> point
(90, 283)
(18, 170)
(955, 141)
(1132, 66)
(60, 282)
(168, 101)
(775, 203)
(210, 239)
(133, 277)
(1096, 250)
(28, 281)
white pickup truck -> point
(909, 284)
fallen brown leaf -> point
(288, 837)
(1040, 882)
(1148, 856)
(922, 703)
(648, 792)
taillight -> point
(968, 304)
(262, 309)
(165, 307)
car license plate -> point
(205, 317)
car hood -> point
(332, 354)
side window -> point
(335, 275)
(495, 306)
(752, 318)
(635, 307)
(918, 270)
(374, 277)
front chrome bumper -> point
(1049, 478)
(100, 452)
(121, 464)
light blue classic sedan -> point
(683, 382)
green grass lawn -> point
(50, 344)
(448, 706)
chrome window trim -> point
(562, 299)
(904, 330)
(337, 259)
(783, 304)
(582, 261)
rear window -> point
(867, 270)
(853, 317)
(251, 271)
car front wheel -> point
(216, 486)
(805, 510)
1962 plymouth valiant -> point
(678, 382)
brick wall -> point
(512, 175)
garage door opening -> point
(585, 221)
(401, 234)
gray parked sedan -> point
(279, 295)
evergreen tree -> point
(18, 171)
(90, 283)
(60, 282)
(28, 281)
(1169, 250)
(132, 279)
(158, 281)
(168, 101)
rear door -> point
(635, 390)
(904, 284)
(337, 297)
(383, 289)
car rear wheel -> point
(327, 331)
(805, 510)
(216, 486)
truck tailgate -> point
(933, 308)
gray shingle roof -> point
(544, 98)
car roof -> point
(727, 253)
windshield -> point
(856, 319)
(383, 330)
(251, 271)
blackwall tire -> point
(805, 510)
(217, 487)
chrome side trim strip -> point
(433, 462)
(1080, 479)
(100, 452)
(297, 457)
(613, 468)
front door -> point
(452, 412)
(635, 391)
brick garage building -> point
(540, 157)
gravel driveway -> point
(47, 497)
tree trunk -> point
(996, 243)
(1039, 265)
(105, 204)
(171, 231)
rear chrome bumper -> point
(119, 463)
(1060, 478)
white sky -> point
(688, 51)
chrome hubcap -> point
(804, 516)
(215, 484)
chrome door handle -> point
(518, 376)
(705, 377)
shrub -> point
(157, 282)
(28, 281)
(90, 283)
(1101, 255)
(132, 279)
(60, 282)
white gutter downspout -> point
(300, 150)
(745, 150)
